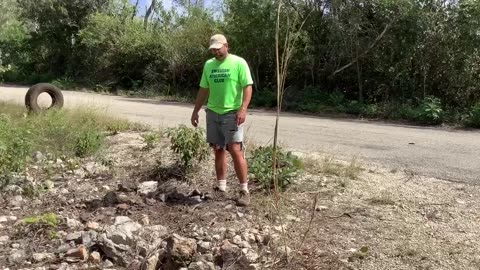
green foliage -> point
(64, 83)
(62, 133)
(88, 142)
(260, 163)
(151, 139)
(189, 144)
(44, 225)
(48, 219)
(474, 117)
(430, 111)
(15, 148)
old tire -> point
(31, 98)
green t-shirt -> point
(225, 81)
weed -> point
(189, 144)
(88, 142)
(48, 219)
(261, 163)
(151, 139)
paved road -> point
(437, 152)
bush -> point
(15, 147)
(189, 144)
(473, 119)
(260, 164)
(88, 142)
(430, 111)
(371, 110)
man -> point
(227, 83)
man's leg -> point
(239, 162)
(241, 169)
(220, 167)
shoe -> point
(219, 194)
(244, 199)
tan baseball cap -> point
(217, 41)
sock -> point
(244, 186)
(222, 185)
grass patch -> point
(329, 166)
(48, 219)
(66, 133)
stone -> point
(197, 266)
(230, 233)
(292, 218)
(80, 253)
(49, 185)
(181, 250)
(95, 257)
(76, 237)
(208, 257)
(248, 257)
(237, 239)
(204, 247)
(16, 201)
(37, 156)
(92, 168)
(254, 266)
(145, 220)
(40, 257)
(63, 248)
(17, 256)
(122, 232)
(73, 223)
(91, 225)
(151, 263)
(89, 239)
(229, 252)
(107, 264)
(115, 252)
(147, 187)
(4, 238)
(249, 237)
(196, 199)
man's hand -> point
(194, 119)
(241, 116)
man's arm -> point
(242, 113)
(201, 98)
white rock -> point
(40, 257)
(73, 223)
(147, 187)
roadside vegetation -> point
(62, 134)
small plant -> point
(430, 111)
(189, 144)
(261, 164)
(151, 139)
(48, 219)
(88, 142)
(40, 226)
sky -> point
(167, 4)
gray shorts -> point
(222, 129)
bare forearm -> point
(201, 98)
(247, 96)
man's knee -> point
(235, 147)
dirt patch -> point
(368, 218)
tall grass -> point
(70, 133)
